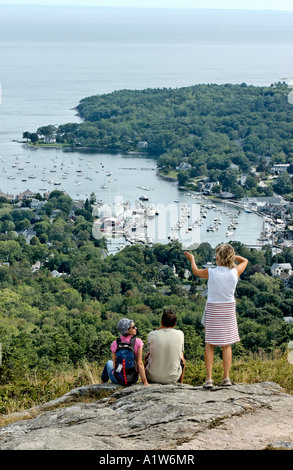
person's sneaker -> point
(226, 383)
(208, 384)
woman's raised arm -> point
(204, 273)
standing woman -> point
(221, 327)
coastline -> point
(74, 148)
(171, 179)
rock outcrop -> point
(158, 417)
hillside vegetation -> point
(53, 326)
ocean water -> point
(52, 57)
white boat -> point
(151, 211)
(229, 234)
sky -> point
(285, 5)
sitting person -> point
(115, 371)
(165, 362)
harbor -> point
(144, 207)
(191, 221)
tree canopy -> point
(46, 321)
(209, 127)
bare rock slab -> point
(158, 417)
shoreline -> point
(85, 149)
(171, 179)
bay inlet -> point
(130, 181)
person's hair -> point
(226, 255)
(169, 318)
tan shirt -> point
(164, 364)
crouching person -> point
(126, 364)
(165, 361)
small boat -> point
(144, 198)
(229, 234)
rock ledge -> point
(159, 417)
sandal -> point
(226, 383)
(208, 384)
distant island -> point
(227, 139)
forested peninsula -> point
(230, 134)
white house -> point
(35, 267)
(280, 168)
(56, 273)
(142, 144)
(183, 166)
(279, 268)
(36, 204)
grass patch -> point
(261, 368)
(35, 388)
(170, 174)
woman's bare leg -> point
(227, 360)
(209, 359)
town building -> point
(278, 269)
